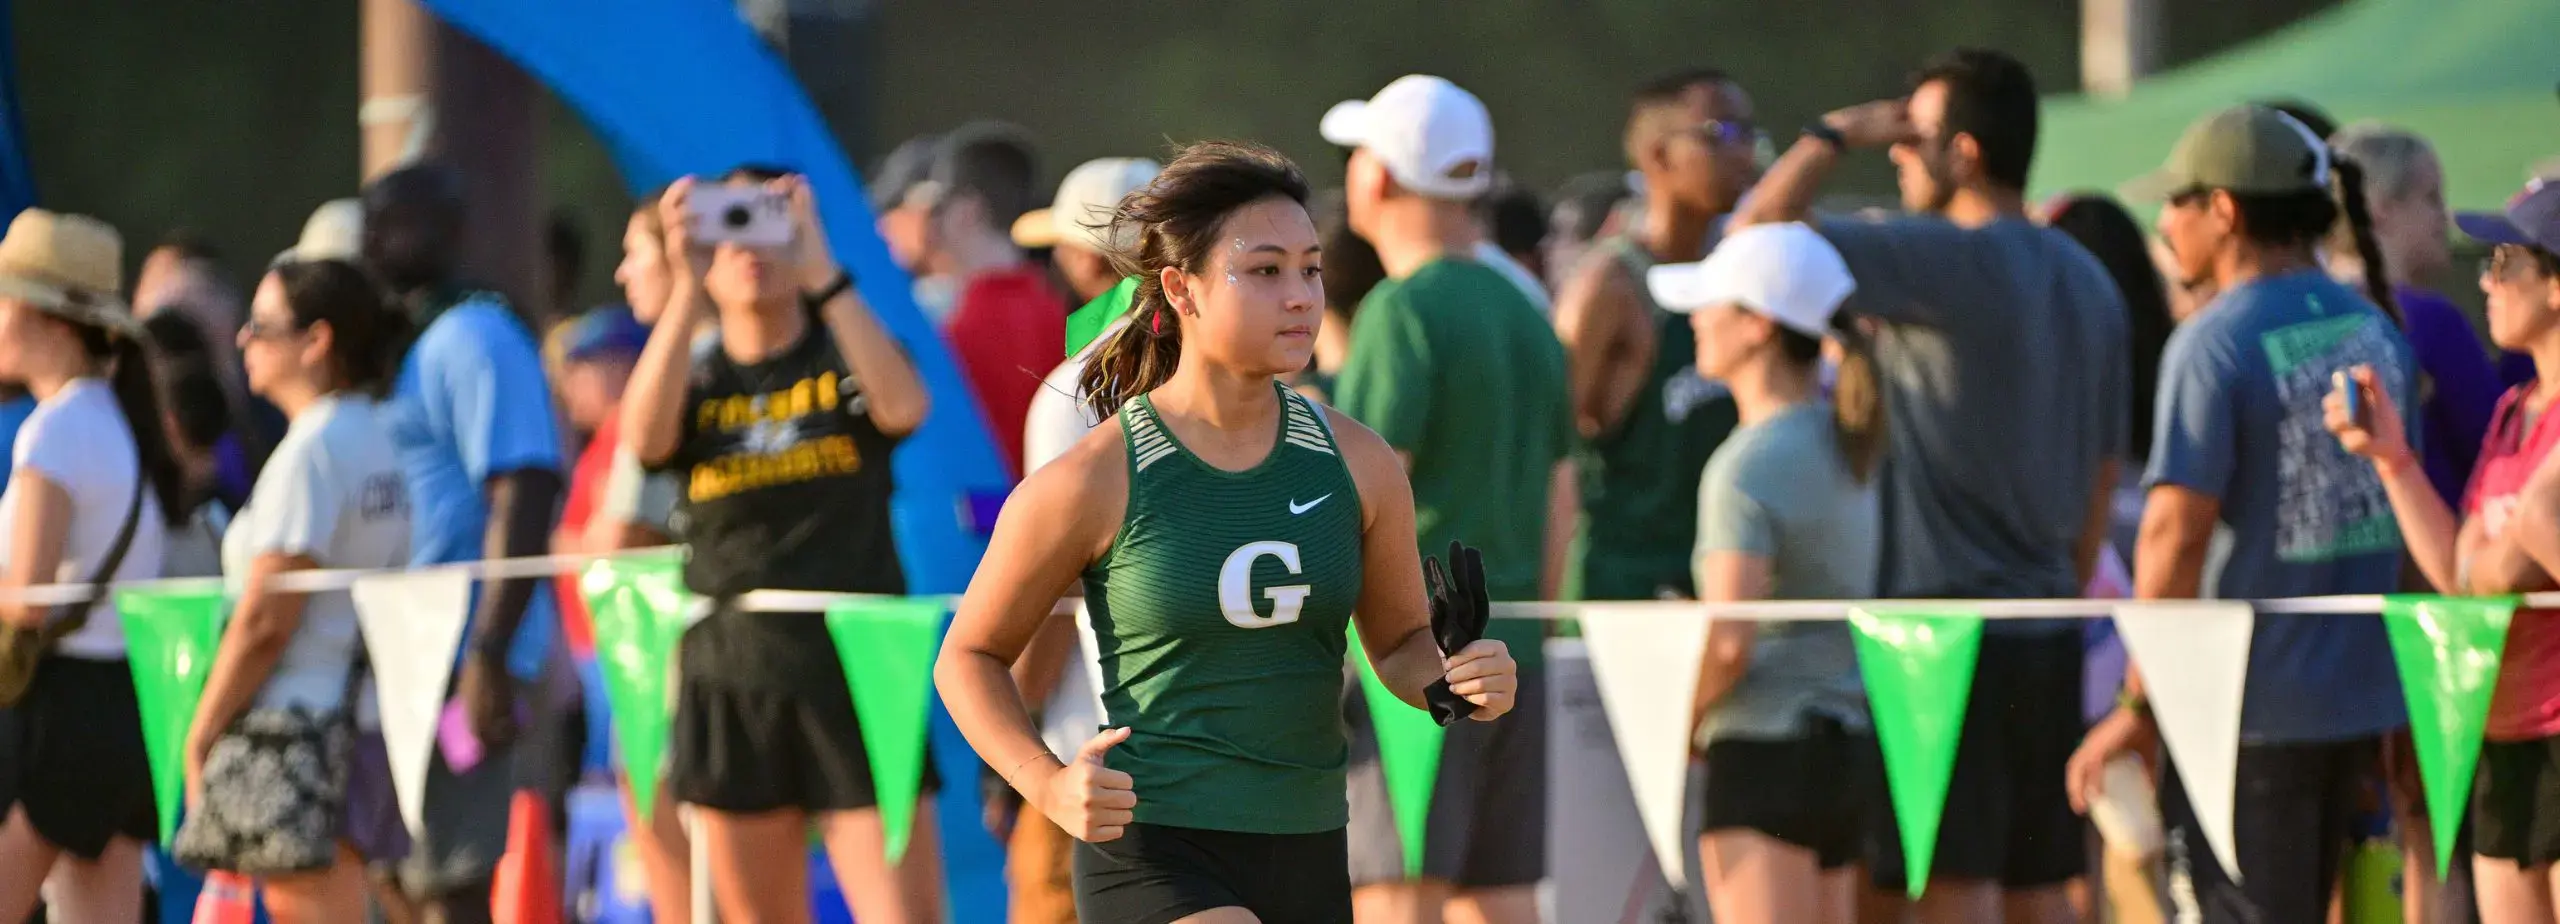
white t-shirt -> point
(1057, 419)
(333, 491)
(78, 440)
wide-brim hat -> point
(69, 266)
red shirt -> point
(1007, 330)
(586, 480)
(2527, 704)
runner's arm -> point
(2101, 514)
(1392, 615)
(1058, 521)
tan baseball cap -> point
(1082, 210)
(2244, 149)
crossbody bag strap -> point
(76, 615)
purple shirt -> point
(2460, 388)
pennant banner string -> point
(337, 580)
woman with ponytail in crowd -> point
(1227, 530)
(286, 779)
(2504, 539)
(86, 503)
(1786, 510)
(2241, 449)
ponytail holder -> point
(1155, 323)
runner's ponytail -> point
(1857, 406)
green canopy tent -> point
(2476, 77)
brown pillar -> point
(432, 91)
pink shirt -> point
(2527, 704)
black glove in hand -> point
(1459, 610)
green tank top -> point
(1218, 619)
(1640, 478)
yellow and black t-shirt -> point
(785, 479)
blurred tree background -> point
(234, 120)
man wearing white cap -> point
(1075, 227)
(1461, 374)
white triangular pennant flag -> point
(2194, 659)
(412, 625)
(1645, 661)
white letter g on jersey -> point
(1235, 586)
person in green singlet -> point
(1227, 530)
(1648, 420)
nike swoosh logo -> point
(1296, 508)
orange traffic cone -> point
(228, 898)
(527, 890)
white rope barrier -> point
(337, 580)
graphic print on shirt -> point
(2329, 504)
(789, 435)
(1686, 391)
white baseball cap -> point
(1082, 210)
(1784, 271)
(1434, 138)
(335, 231)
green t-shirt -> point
(1453, 365)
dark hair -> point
(751, 172)
(1351, 265)
(1174, 222)
(564, 240)
(993, 163)
(129, 375)
(1991, 97)
(1857, 395)
(646, 209)
(1653, 99)
(190, 391)
(189, 245)
(429, 183)
(2109, 233)
(1518, 220)
(366, 336)
(2302, 219)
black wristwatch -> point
(1822, 132)
(820, 298)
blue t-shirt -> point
(470, 403)
(2240, 419)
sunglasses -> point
(1725, 131)
(260, 329)
(2513, 262)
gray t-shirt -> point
(332, 491)
(1779, 489)
(2006, 372)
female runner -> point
(1227, 529)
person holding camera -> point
(781, 430)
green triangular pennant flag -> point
(1918, 666)
(1086, 323)
(638, 607)
(170, 638)
(1408, 756)
(887, 646)
(2448, 649)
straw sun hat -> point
(68, 266)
